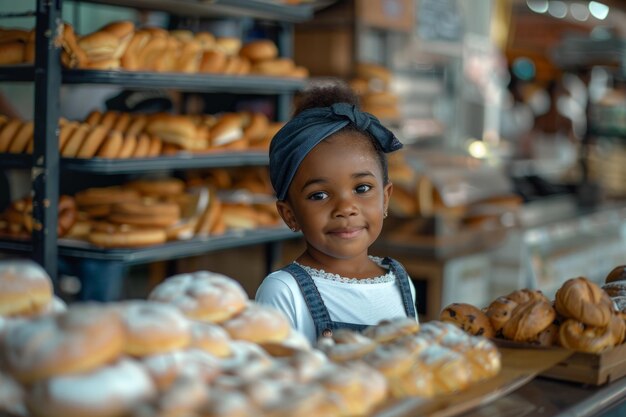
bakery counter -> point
(551, 398)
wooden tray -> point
(587, 368)
(516, 371)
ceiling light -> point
(598, 10)
(579, 11)
(537, 6)
(557, 9)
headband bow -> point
(302, 133)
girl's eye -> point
(363, 188)
(318, 196)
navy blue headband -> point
(302, 133)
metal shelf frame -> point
(167, 251)
(257, 9)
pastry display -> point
(196, 346)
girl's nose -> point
(345, 207)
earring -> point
(385, 214)
(293, 228)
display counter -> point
(551, 398)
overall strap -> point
(312, 297)
(402, 278)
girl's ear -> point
(286, 213)
(387, 195)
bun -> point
(583, 300)
(25, 285)
(212, 62)
(228, 129)
(259, 50)
(9, 130)
(528, 320)
(21, 138)
(128, 238)
(12, 53)
(228, 45)
(274, 67)
(500, 311)
(203, 295)
(179, 130)
(617, 274)
(99, 46)
(258, 324)
(153, 328)
(84, 338)
(575, 335)
(120, 387)
(469, 318)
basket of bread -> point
(585, 318)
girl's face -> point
(337, 198)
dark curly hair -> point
(330, 92)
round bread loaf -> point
(469, 318)
(24, 287)
(203, 295)
(583, 300)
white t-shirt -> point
(364, 301)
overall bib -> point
(324, 326)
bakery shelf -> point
(215, 83)
(17, 73)
(168, 251)
(258, 9)
(179, 161)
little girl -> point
(329, 170)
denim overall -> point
(324, 326)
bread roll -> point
(12, 53)
(259, 50)
(178, 130)
(469, 318)
(99, 46)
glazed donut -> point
(128, 238)
(389, 330)
(21, 138)
(112, 146)
(109, 391)
(211, 338)
(583, 300)
(153, 327)
(617, 274)
(469, 318)
(258, 323)
(204, 296)
(528, 320)
(83, 338)
(499, 312)
(92, 142)
(24, 287)
(160, 187)
(575, 335)
(166, 368)
(9, 130)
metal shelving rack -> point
(46, 164)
